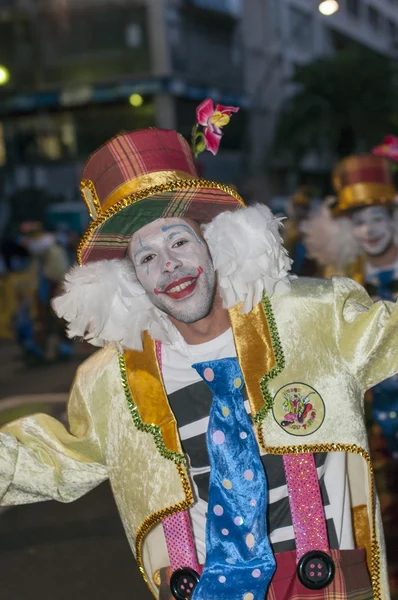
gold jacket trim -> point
(254, 335)
(142, 383)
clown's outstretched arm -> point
(40, 460)
(367, 333)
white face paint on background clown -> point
(174, 266)
(374, 229)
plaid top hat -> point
(361, 181)
(139, 177)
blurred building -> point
(280, 34)
(83, 70)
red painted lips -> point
(177, 290)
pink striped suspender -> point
(180, 543)
(305, 504)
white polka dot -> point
(248, 475)
(256, 573)
(208, 374)
(218, 437)
(243, 435)
(248, 596)
(253, 502)
(227, 484)
(230, 561)
(225, 411)
(225, 531)
(222, 579)
(250, 540)
(218, 510)
(238, 521)
(237, 382)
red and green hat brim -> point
(108, 236)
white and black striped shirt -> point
(190, 400)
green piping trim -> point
(279, 358)
(147, 427)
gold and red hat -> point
(138, 177)
(362, 180)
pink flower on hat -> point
(212, 119)
(388, 148)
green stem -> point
(193, 139)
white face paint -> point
(374, 229)
(174, 266)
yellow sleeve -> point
(40, 460)
(367, 333)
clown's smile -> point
(182, 288)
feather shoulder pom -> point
(104, 302)
(329, 240)
(248, 255)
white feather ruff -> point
(329, 240)
(104, 302)
(248, 255)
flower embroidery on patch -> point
(298, 409)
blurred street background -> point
(315, 82)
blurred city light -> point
(328, 7)
(4, 75)
(136, 100)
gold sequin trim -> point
(89, 195)
(158, 516)
(152, 191)
(146, 427)
(279, 359)
(375, 558)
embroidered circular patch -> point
(298, 409)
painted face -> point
(174, 266)
(374, 229)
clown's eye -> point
(179, 243)
(147, 259)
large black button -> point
(183, 583)
(316, 570)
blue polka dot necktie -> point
(239, 560)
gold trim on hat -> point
(143, 182)
(360, 195)
(89, 195)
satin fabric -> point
(239, 559)
(333, 338)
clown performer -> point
(357, 234)
(207, 347)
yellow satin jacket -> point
(325, 340)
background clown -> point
(356, 234)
